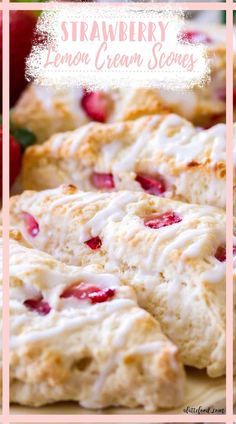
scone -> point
(162, 155)
(171, 253)
(78, 334)
(45, 110)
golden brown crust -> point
(144, 102)
(45, 118)
(95, 354)
(156, 147)
(174, 270)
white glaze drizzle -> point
(120, 208)
(127, 162)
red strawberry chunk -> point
(194, 37)
(94, 243)
(96, 105)
(38, 305)
(102, 180)
(220, 254)
(151, 185)
(31, 224)
(86, 291)
(101, 296)
(162, 220)
(81, 291)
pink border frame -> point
(5, 408)
(229, 210)
(6, 418)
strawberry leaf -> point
(24, 137)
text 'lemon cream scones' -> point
(78, 334)
(171, 253)
(162, 155)
(45, 110)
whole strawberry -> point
(22, 25)
(0, 61)
(15, 159)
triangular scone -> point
(78, 334)
(162, 155)
(46, 111)
(172, 253)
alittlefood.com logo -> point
(108, 46)
(203, 410)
